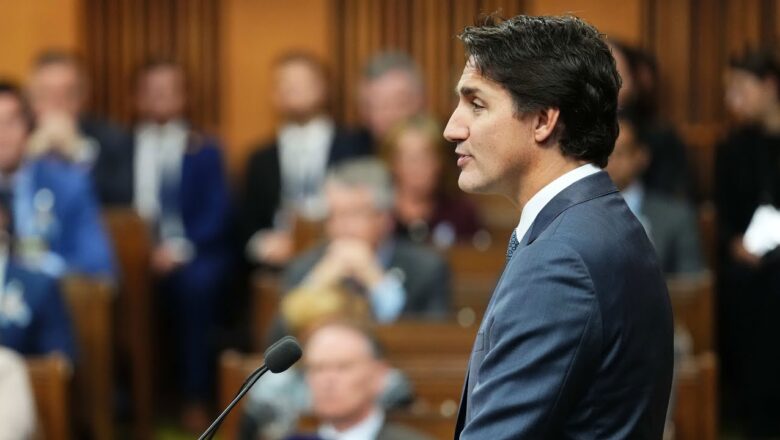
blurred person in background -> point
(58, 90)
(747, 198)
(668, 171)
(345, 372)
(670, 223)
(427, 206)
(17, 404)
(54, 216)
(284, 176)
(392, 90)
(180, 190)
(397, 277)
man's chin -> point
(471, 186)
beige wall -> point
(254, 34)
(29, 26)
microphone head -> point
(282, 354)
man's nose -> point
(455, 131)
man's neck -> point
(541, 176)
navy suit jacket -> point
(76, 234)
(33, 316)
(577, 339)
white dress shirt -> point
(159, 151)
(303, 157)
(535, 205)
(368, 429)
(17, 404)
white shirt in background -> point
(368, 429)
(17, 405)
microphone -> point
(278, 357)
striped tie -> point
(513, 244)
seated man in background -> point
(180, 190)
(33, 316)
(17, 405)
(669, 222)
(398, 278)
(392, 90)
(284, 176)
(58, 92)
(346, 372)
(54, 217)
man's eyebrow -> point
(466, 91)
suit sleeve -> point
(207, 226)
(260, 195)
(541, 343)
(54, 327)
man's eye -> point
(476, 106)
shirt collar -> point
(368, 428)
(535, 205)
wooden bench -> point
(696, 402)
(134, 322)
(693, 308)
(90, 302)
(50, 378)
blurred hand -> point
(742, 255)
(275, 247)
(165, 260)
(56, 133)
(359, 259)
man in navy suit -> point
(577, 339)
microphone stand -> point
(209, 433)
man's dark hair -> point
(52, 57)
(9, 88)
(560, 62)
(762, 63)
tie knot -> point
(513, 244)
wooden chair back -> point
(693, 308)
(696, 402)
(90, 301)
(50, 378)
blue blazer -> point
(33, 316)
(73, 230)
(577, 339)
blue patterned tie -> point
(513, 244)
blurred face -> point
(748, 97)
(161, 96)
(300, 91)
(13, 133)
(56, 89)
(388, 100)
(344, 377)
(416, 163)
(628, 160)
(353, 214)
(495, 147)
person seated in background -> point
(391, 90)
(397, 277)
(17, 403)
(670, 223)
(345, 372)
(57, 89)
(53, 214)
(747, 201)
(34, 319)
(669, 170)
(427, 206)
(274, 409)
(284, 176)
(180, 190)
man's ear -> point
(546, 122)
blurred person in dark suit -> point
(747, 182)
(17, 402)
(392, 90)
(284, 176)
(58, 89)
(670, 223)
(397, 277)
(668, 171)
(427, 207)
(345, 372)
(180, 190)
(55, 219)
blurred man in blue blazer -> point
(576, 341)
(180, 189)
(54, 216)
